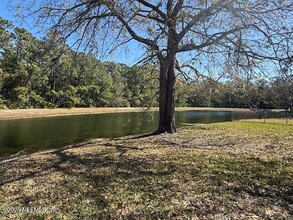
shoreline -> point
(211, 169)
(13, 114)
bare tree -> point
(202, 35)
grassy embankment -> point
(233, 170)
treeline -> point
(238, 93)
(46, 73)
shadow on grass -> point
(121, 180)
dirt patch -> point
(36, 113)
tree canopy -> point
(246, 30)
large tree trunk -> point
(166, 98)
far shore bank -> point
(10, 114)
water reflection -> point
(42, 133)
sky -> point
(4, 12)
(129, 56)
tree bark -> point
(167, 98)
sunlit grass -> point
(236, 170)
(287, 121)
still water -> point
(43, 133)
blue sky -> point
(128, 56)
(4, 12)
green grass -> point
(239, 170)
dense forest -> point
(47, 73)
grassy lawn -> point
(233, 170)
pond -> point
(43, 133)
